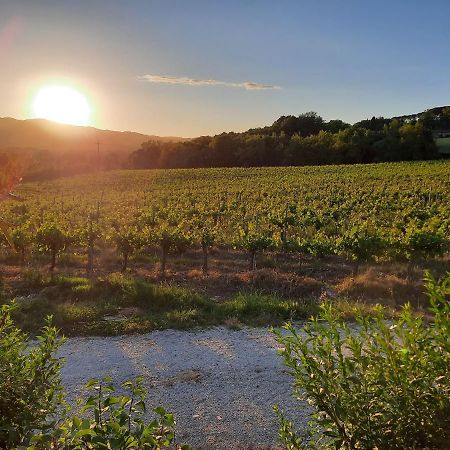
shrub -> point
(29, 381)
(171, 239)
(21, 239)
(116, 422)
(360, 244)
(53, 239)
(378, 384)
(34, 415)
(206, 233)
(87, 235)
(283, 220)
(253, 242)
(128, 240)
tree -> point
(256, 150)
(428, 119)
(148, 156)
(334, 126)
(417, 142)
(305, 124)
(222, 150)
(445, 118)
(353, 145)
(388, 146)
(376, 124)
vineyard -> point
(209, 221)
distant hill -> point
(436, 112)
(39, 134)
(49, 150)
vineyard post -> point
(124, 262)
(90, 265)
(284, 227)
(53, 263)
(205, 259)
(207, 239)
(165, 251)
(253, 260)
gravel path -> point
(220, 384)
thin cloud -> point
(167, 79)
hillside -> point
(39, 134)
(307, 139)
(437, 111)
(49, 150)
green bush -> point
(34, 415)
(115, 422)
(29, 381)
(52, 238)
(360, 244)
(128, 240)
(254, 242)
(378, 384)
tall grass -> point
(120, 303)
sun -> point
(62, 104)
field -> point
(443, 145)
(139, 250)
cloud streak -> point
(167, 79)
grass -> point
(385, 288)
(443, 145)
(121, 304)
(137, 301)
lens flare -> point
(62, 104)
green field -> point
(443, 145)
(283, 234)
(308, 203)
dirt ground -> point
(288, 275)
(220, 384)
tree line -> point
(298, 141)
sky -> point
(190, 68)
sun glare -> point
(62, 104)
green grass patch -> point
(443, 145)
(120, 304)
(259, 310)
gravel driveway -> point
(220, 384)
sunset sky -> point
(186, 68)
